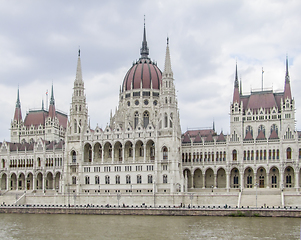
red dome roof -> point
(144, 72)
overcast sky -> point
(39, 41)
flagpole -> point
(262, 80)
(47, 100)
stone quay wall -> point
(94, 210)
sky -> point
(39, 42)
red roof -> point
(144, 72)
(273, 135)
(202, 133)
(209, 138)
(249, 136)
(260, 136)
(221, 137)
(38, 117)
(197, 139)
(186, 139)
(261, 100)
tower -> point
(17, 122)
(77, 124)
(169, 136)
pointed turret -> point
(167, 68)
(287, 86)
(144, 51)
(79, 77)
(18, 113)
(236, 97)
(52, 105)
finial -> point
(79, 51)
(144, 49)
(167, 40)
(236, 77)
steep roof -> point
(249, 136)
(260, 136)
(273, 135)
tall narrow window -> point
(136, 119)
(145, 119)
(165, 120)
(289, 153)
(234, 155)
(150, 179)
(117, 178)
(139, 181)
(165, 153)
(171, 120)
(164, 178)
(75, 126)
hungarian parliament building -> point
(142, 149)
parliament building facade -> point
(142, 149)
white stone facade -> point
(142, 150)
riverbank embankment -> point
(143, 210)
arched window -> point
(165, 120)
(171, 120)
(150, 179)
(73, 180)
(274, 128)
(261, 128)
(107, 179)
(73, 154)
(166, 100)
(234, 155)
(75, 126)
(164, 178)
(289, 153)
(128, 179)
(145, 119)
(80, 108)
(249, 129)
(96, 179)
(3, 163)
(79, 126)
(139, 181)
(165, 153)
(87, 180)
(136, 119)
(110, 151)
(117, 179)
(75, 108)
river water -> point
(42, 226)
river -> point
(42, 226)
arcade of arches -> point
(235, 178)
(118, 152)
(39, 181)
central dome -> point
(144, 73)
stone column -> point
(282, 184)
(215, 180)
(228, 181)
(144, 152)
(43, 182)
(296, 180)
(113, 152)
(123, 154)
(204, 179)
(102, 154)
(92, 160)
(134, 153)
(268, 180)
(191, 180)
(241, 181)
(185, 182)
(34, 187)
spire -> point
(144, 50)
(52, 97)
(18, 113)
(52, 105)
(42, 104)
(287, 77)
(236, 78)
(18, 104)
(79, 69)
(240, 87)
(236, 97)
(287, 86)
(167, 68)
